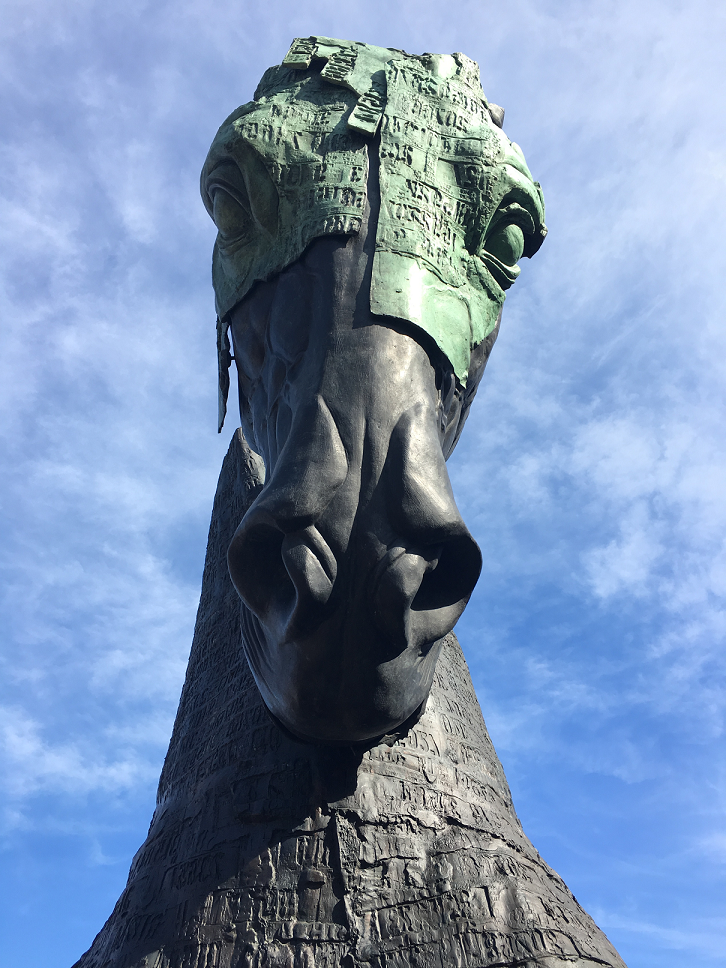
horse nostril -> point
(452, 577)
(397, 580)
(256, 567)
(310, 564)
(284, 579)
(420, 593)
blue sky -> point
(592, 471)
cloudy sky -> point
(592, 471)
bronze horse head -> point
(370, 215)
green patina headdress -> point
(458, 204)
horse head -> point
(370, 215)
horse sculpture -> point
(331, 797)
(370, 215)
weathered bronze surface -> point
(268, 853)
(370, 215)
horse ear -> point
(497, 114)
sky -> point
(592, 470)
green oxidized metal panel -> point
(433, 129)
(293, 171)
(458, 204)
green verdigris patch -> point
(458, 207)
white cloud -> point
(625, 564)
(32, 763)
(703, 940)
(592, 470)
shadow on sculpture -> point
(331, 796)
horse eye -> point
(230, 218)
(506, 243)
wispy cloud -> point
(592, 471)
(32, 763)
(704, 940)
